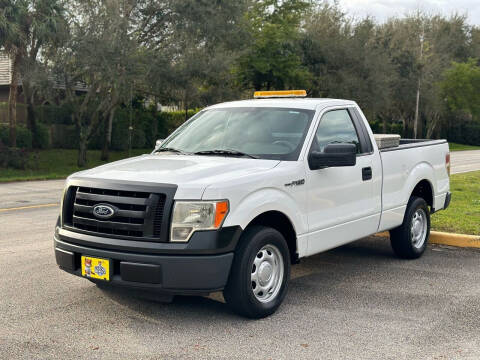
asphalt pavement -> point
(354, 302)
(465, 161)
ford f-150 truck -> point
(243, 190)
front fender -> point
(263, 200)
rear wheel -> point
(410, 239)
(260, 271)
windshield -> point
(268, 133)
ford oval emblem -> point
(103, 211)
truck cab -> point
(243, 190)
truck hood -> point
(192, 174)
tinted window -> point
(335, 127)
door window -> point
(335, 127)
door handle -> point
(366, 173)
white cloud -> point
(381, 10)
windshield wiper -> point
(225, 152)
(171, 150)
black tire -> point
(404, 244)
(239, 292)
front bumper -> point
(201, 266)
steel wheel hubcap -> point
(418, 228)
(267, 273)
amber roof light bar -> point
(279, 94)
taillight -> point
(447, 163)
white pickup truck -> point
(243, 190)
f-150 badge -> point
(296, 183)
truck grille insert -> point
(136, 215)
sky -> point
(381, 10)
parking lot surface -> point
(355, 302)
(465, 161)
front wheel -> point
(410, 239)
(260, 271)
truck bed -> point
(413, 143)
(402, 170)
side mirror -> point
(333, 155)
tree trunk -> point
(31, 120)
(155, 123)
(108, 136)
(82, 152)
(404, 126)
(417, 104)
(415, 122)
(431, 126)
(12, 102)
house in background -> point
(5, 81)
(5, 76)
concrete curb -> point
(442, 238)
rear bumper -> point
(448, 198)
(184, 271)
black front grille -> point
(137, 215)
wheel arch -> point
(282, 223)
(424, 189)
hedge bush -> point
(54, 114)
(56, 129)
(464, 133)
(169, 121)
(43, 136)
(24, 136)
(64, 136)
(392, 128)
(15, 158)
(148, 127)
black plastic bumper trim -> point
(143, 273)
(169, 273)
(65, 259)
(208, 242)
(448, 198)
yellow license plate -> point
(96, 268)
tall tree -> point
(461, 87)
(272, 61)
(27, 27)
(46, 29)
(192, 45)
(12, 39)
(347, 59)
(98, 65)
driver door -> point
(340, 199)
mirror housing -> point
(333, 155)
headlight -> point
(189, 217)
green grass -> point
(461, 147)
(463, 215)
(59, 163)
